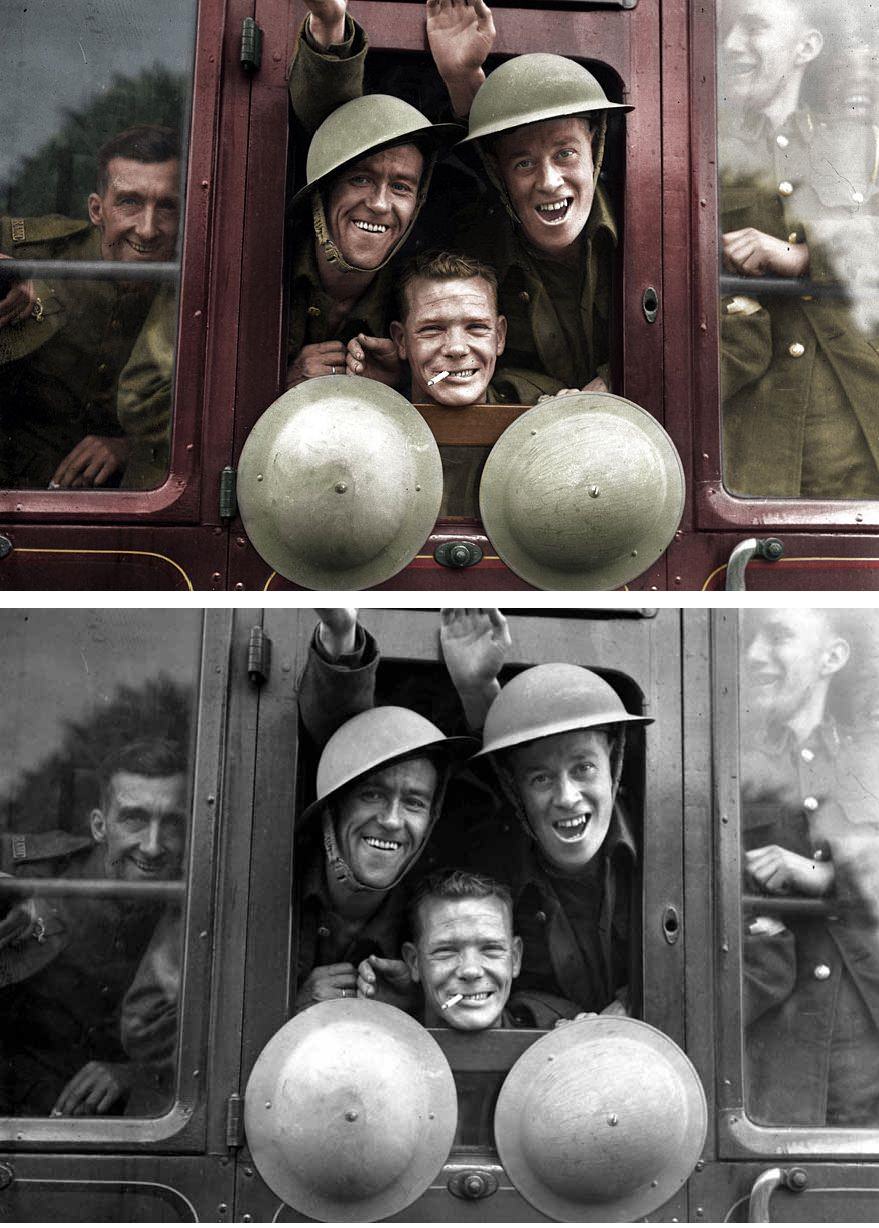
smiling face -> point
(451, 325)
(566, 786)
(548, 171)
(764, 51)
(139, 211)
(790, 657)
(464, 947)
(372, 203)
(382, 821)
(142, 824)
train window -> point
(95, 834)
(798, 165)
(91, 185)
(809, 793)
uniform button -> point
(792, 237)
(102, 366)
(782, 141)
(810, 803)
(105, 989)
(524, 296)
(818, 855)
(540, 916)
(314, 311)
(323, 931)
(797, 350)
(807, 754)
(821, 973)
(858, 197)
(785, 188)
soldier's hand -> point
(386, 980)
(562, 392)
(94, 1089)
(595, 385)
(374, 358)
(320, 358)
(326, 21)
(325, 984)
(337, 630)
(475, 644)
(461, 35)
(92, 462)
(563, 1023)
(17, 926)
(16, 300)
(780, 871)
(752, 253)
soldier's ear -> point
(809, 47)
(399, 338)
(410, 955)
(836, 657)
(517, 956)
(96, 209)
(98, 826)
(501, 334)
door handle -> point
(769, 548)
(794, 1179)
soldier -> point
(63, 345)
(798, 199)
(60, 1010)
(810, 826)
(368, 172)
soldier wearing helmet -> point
(380, 784)
(368, 171)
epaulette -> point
(46, 229)
(21, 848)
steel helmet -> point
(350, 1111)
(582, 492)
(375, 739)
(339, 483)
(529, 88)
(602, 1120)
(550, 699)
(365, 126)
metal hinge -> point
(259, 655)
(228, 495)
(234, 1121)
(251, 45)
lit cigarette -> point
(430, 383)
(456, 997)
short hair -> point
(142, 143)
(442, 266)
(150, 757)
(455, 885)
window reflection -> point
(91, 175)
(810, 858)
(798, 158)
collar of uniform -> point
(782, 739)
(370, 307)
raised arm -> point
(339, 677)
(327, 65)
(475, 644)
(461, 35)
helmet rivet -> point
(594, 492)
(418, 488)
(341, 487)
(259, 477)
(534, 432)
(612, 1119)
(351, 1115)
(634, 554)
(268, 1104)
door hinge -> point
(251, 45)
(228, 493)
(259, 655)
(234, 1121)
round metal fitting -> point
(473, 1183)
(5, 546)
(7, 1176)
(458, 554)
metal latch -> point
(228, 494)
(457, 554)
(650, 304)
(793, 1179)
(769, 548)
(473, 1183)
(234, 1121)
(251, 45)
(259, 655)
(5, 545)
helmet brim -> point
(561, 111)
(600, 721)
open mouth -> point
(572, 829)
(477, 999)
(382, 846)
(763, 678)
(554, 211)
(859, 104)
(371, 228)
(463, 375)
(148, 868)
(740, 67)
(142, 249)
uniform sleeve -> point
(143, 396)
(321, 80)
(745, 344)
(150, 1007)
(331, 692)
(770, 972)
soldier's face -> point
(762, 47)
(566, 786)
(789, 656)
(382, 821)
(465, 947)
(142, 825)
(139, 212)
(547, 169)
(372, 203)
(453, 326)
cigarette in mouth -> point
(456, 997)
(436, 379)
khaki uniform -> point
(143, 399)
(54, 392)
(800, 375)
(321, 80)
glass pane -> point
(91, 180)
(97, 726)
(798, 157)
(810, 859)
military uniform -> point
(58, 373)
(812, 989)
(143, 396)
(67, 1013)
(800, 377)
(321, 79)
